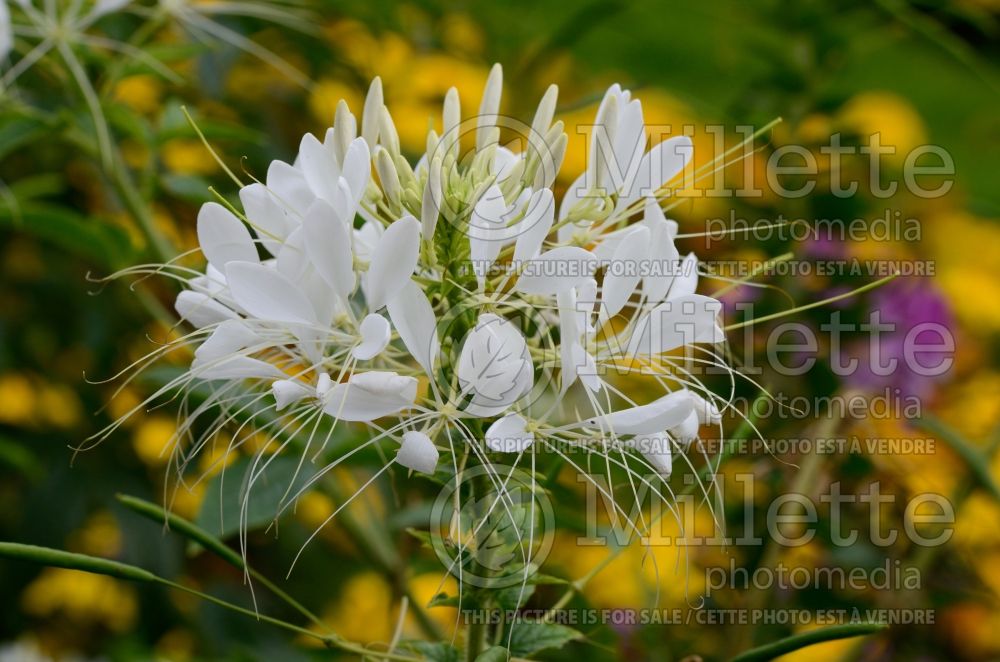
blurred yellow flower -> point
(187, 157)
(123, 403)
(177, 645)
(59, 406)
(423, 588)
(186, 500)
(972, 406)
(142, 93)
(889, 114)
(325, 95)
(313, 508)
(153, 440)
(81, 597)
(364, 612)
(99, 536)
(461, 34)
(17, 399)
(830, 650)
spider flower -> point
(454, 304)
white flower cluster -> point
(455, 300)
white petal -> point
(293, 259)
(430, 204)
(659, 165)
(375, 334)
(677, 322)
(685, 281)
(708, 413)
(265, 215)
(328, 244)
(228, 338)
(201, 310)
(320, 168)
(223, 237)
(535, 226)
(494, 365)
(324, 382)
(623, 273)
(609, 242)
(509, 435)
(357, 169)
(569, 333)
(235, 367)
(102, 7)
(370, 395)
(586, 368)
(586, 301)
(393, 261)
(687, 431)
(657, 450)
(556, 271)
(630, 136)
(289, 185)
(417, 452)
(266, 294)
(666, 412)
(487, 231)
(663, 256)
(413, 317)
(6, 31)
(289, 391)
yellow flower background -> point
(913, 72)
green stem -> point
(795, 642)
(136, 206)
(329, 640)
(475, 639)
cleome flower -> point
(452, 304)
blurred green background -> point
(76, 206)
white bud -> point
(488, 108)
(371, 116)
(345, 129)
(387, 175)
(543, 116)
(430, 206)
(387, 132)
(452, 117)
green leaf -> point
(423, 536)
(227, 489)
(795, 642)
(977, 461)
(18, 456)
(89, 237)
(19, 131)
(183, 527)
(187, 187)
(436, 652)
(443, 600)
(494, 654)
(529, 638)
(60, 559)
(512, 598)
(209, 542)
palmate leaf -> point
(435, 652)
(531, 637)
